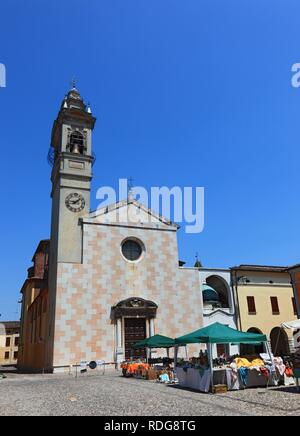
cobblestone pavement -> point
(111, 394)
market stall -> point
(294, 362)
(239, 374)
(149, 370)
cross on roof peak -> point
(73, 83)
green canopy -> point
(156, 341)
(220, 334)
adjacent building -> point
(265, 299)
(34, 312)
(9, 342)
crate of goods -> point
(151, 374)
(220, 389)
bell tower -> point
(72, 159)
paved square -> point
(111, 394)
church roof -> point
(11, 324)
(260, 268)
(42, 247)
(129, 212)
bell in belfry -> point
(76, 148)
(76, 142)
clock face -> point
(75, 202)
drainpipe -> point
(238, 317)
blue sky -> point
(187, 93)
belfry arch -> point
(222, 290)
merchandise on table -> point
(292, 365)
(130, 369)
(236, 372)
(144, 370)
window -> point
(6, 355)
(251, 305)
(7, 342)
(294, 306)
(131, 250)
(15, 355)
(16, 341)
(275, 306)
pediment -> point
(130, 213)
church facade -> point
(104, 279)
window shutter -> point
(251, 305)
(275, 306)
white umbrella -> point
(291, 324)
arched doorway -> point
(133, 318)
(249, 349)
(279, 342)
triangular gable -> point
(129, 212)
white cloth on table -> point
(192, 378)
(234, 371)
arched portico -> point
(279, 342)
(221, 288)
